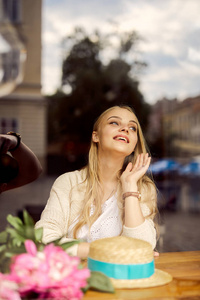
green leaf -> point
(2, 248)
(67, 245)
(29, 233)
(56, 242)
(100, 282)
(28, 220)
(15, 250)
(18, 241)
(40, 247)
(3, 237)
(15, 236)
(20, 230)
(38, 234)
(5, 265)
(15, 222)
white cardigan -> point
(63, 207)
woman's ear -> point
(95, 137)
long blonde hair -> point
(94, 191)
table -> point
(183, 266)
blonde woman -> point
(111, 196)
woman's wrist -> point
(83, 250)
(129, 187)
(131, 194)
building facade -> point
(182, 128)
(24, 109)
(178, 122)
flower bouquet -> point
(31, 270)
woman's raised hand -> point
(133, 173)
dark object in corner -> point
(9, 168)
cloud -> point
(193, 54)
(170, 45)
(160, 84)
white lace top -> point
(107, 225)
(64, 205)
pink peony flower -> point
(30, 247)
(8, 288)
(51, 273)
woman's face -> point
(117, 132)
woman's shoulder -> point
(71, 178)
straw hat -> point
(128, 262)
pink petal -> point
(30, 247)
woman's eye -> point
(133, 128)
(114, 122)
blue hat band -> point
(122, 271)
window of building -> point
(8, 124)
(12, 9)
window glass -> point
(8, 124)
(12, 10)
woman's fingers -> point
(134, 173)
(129, 167)
(143, 160)
(147, 161)
(139, 162)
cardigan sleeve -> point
(55, 216)
(145, 231)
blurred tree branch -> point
(98, 71)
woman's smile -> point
(121, 138)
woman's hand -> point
(132, 174)
(83, 250)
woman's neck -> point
(109, 169)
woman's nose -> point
(124, 128)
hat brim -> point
(158, 278)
